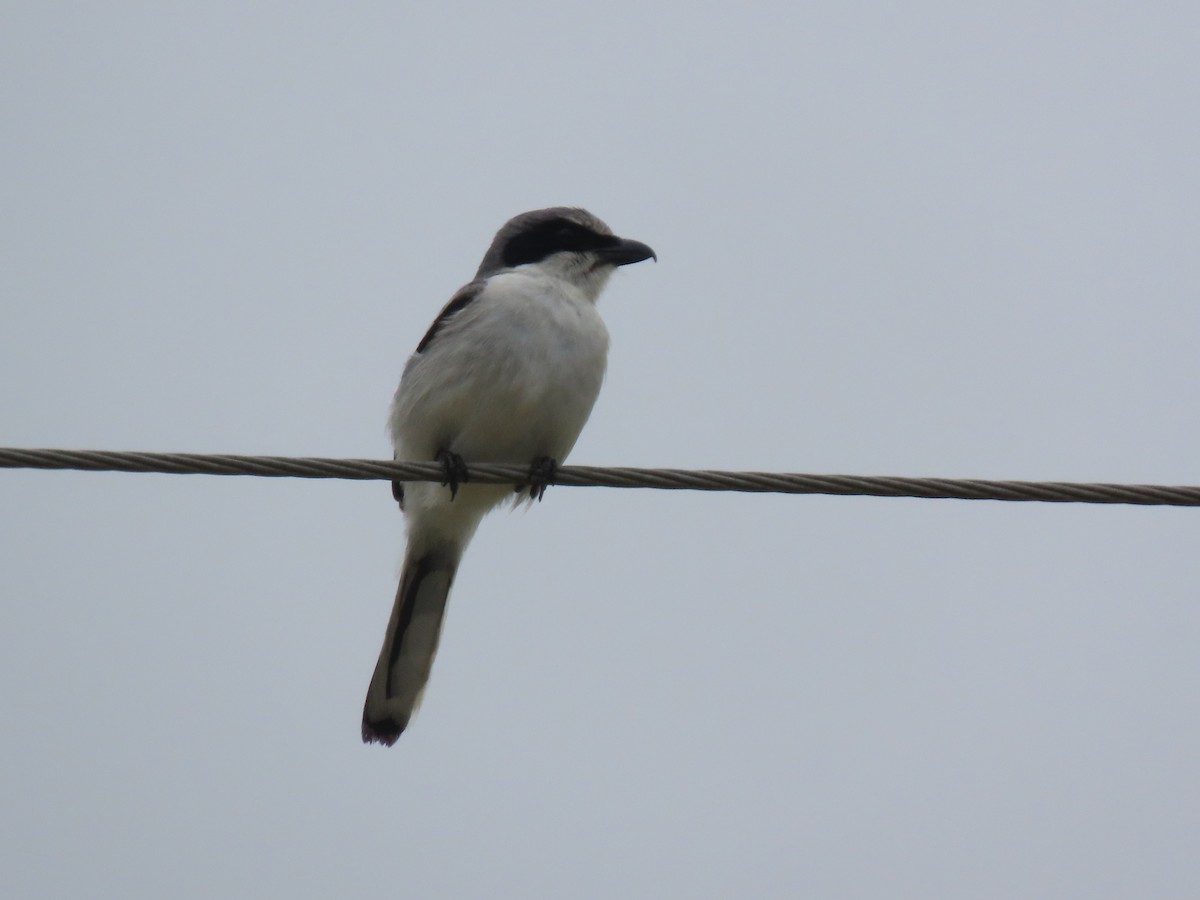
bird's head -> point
(565, 241)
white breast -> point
(510, 378)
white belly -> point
(510, 378)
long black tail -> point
(410, 643)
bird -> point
(507, 373)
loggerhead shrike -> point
(507, 373)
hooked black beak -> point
(624, 252)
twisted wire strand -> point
(594, 476)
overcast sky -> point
(954, 239)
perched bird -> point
(507, 373)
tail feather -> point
(409, 644)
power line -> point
(594, 476)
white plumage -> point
(508, 373)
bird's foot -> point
(398, 492)
(454, 469)
(541, 476)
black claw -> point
(454, 469)
(541, 476)
(398, 492)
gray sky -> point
(915, 239)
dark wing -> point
(457, 304)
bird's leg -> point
(541, 475)
(454, 469)
(398, 492)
